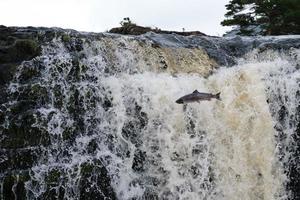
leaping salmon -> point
(197, 97)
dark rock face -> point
(139, 160)
(13, 186)
(24, 143)
(17, 137)
(133, 128)
(95, 183)
(14, 48)
(290, 161)
(288, 128)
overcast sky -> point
(101, 15)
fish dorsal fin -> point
(196, 91)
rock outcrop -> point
(132, 29)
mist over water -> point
(110, 113)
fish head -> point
(179, 101)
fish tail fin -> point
(217, 96)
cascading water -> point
(111, 128)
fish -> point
(197, 97)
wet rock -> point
(13, 186)
(150, 195)
(54, 189)
(132, 129)
(59, 96)
(75, 73)
(17, 159)
(50, 194)
(24, 49)
(30, 71)
(22, 133)
(7, 72)
(69, 135)
(76, 108)
(92, 146)
(53, 177)
(294, 170)
(3, 95)
(130, 132)
(34, 93)
(167, 194)
(2, 114)
(20, 107)
(107, 103)
(288, 152)
(282, 113)
(95, 182)
(8, 184)
(47, 36)
(20, 190)
(66, 38)
(139, 160)
(133, 29)
(73, 44)
(76, 102)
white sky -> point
(101, 15)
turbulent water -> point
(108, 111)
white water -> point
(210, 150)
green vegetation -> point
(66, 38)
(273, 17)
(126, 22)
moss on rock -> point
(65, 38)
(22, 49)
(92, 146)
(58, 96)
(69, 134)
(28, 73)
(27, 48)
(35, 93)
(7, 72)
(22, 133)
(15, 49)
(13, 186)
(17, 159)
(53, 177)
(20, 107)
(86, 169)
(8, 184)
(94, 182)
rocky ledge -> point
(133, 29)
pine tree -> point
(275, 17)
(236, 15)
(289, 16)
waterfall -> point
(108, 125)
